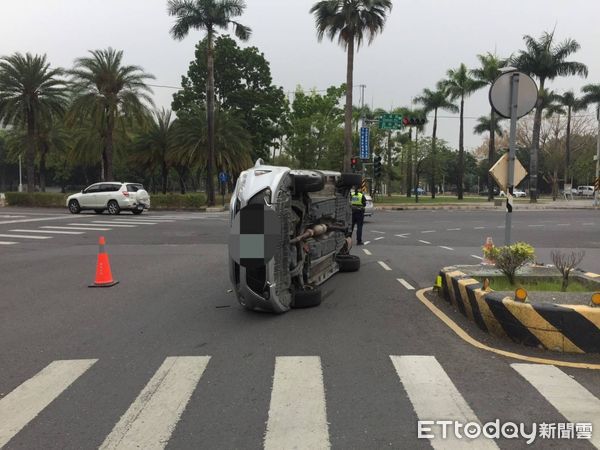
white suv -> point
(111, 196)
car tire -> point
(98, 211)
(308, 181)
(137, 212)
(348, 263)
(74, 207)
(113, 208)
(306, 298)
(350, 180)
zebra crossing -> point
(46, 232)
(297, 412)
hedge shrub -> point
(43, 199)
(158, 201)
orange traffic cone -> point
(103, 274)
(489, 244)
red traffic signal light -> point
(405, 121)
(353, 163)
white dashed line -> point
(536, 225)
(46, 231)
(406, 284)
(402, 235)
(428, 231)
(367, 252)
(384, 265)
(563, 224)
(377, 239)
(446, 248)
(366, 242)
(452, 229)
(479, 228)
(378, 232)
(7, 243)
(21, 236)
(424, 242)
(477, 257)
(588, 224)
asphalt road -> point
(168, 352)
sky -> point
(422, 39)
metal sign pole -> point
(514, 96)
(596, 193)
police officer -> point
(359, 201)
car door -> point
(107, 192)
(88, 196)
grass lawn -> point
(545, 284)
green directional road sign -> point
(390, 121)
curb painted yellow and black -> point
(566, 328)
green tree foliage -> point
(432, 101)
(314, 138)
(351, 22)
(30, 92)
(243, 84)
(108, 96)
(545, 59)
(510, 258)
(210, 16)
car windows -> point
(92, 189)
(134, 187)
(109, 187)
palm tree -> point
(572, 104)
(154, 146)
(30, 92)
(459, 85)
(351, 21)
(483, 126)
(433, 101)
(545, 59)
(208, 15)
(487, 73)
(110, 95)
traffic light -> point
(377, 167)
(411, 121)
(354, 163)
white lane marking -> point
(588, 224)
(446, 248)
(563, 224)
(406, 284)
(110, 224)
(77, 227)
(63, 217)
(26, 401)
(569, 397)
(366, 242)
(479, 228)
(477, 257)
(384, 265)
(379, 232)
(428, 231)
(500, 226)
(8, 216)
(433, 395)
(424, 242)
(537, 226)
(402, 235)
(379, 238)
(367, 252)
(152, 417)
(452, 229)
(297, 412)
(133, 222)
(22, 236)
(7, 243)
(46, 231)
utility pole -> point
(20, 176)
(596, 193)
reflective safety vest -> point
(357, 200)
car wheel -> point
(348, 263)
(137, 212)
(350, 179)
(113, 208)
(308, 181)
(306, 298)
(74, 207)
(98, 211)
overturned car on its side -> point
(290, 231)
